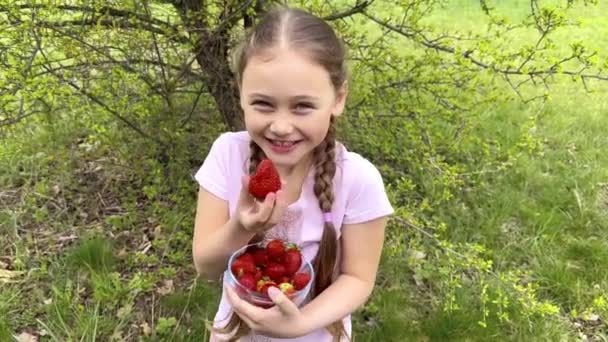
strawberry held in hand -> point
(265, 180)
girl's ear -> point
(239, 90)
(340, 101)
(238, 85)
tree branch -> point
(259, 6)
(419, 38)
(358, 8)
(120, 19)
(164, 73)
(104, 10)
(189, 72)
(91, 96)
(127, 67)
(229, 18)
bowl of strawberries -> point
(254, 268)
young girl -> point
(291, 75)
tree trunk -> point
(211, 50)
(212, 58)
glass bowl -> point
(256, 296)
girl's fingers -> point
(263, 215)
(241, 308)
(265, 208)
(244, 196)
(280, 205)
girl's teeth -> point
(282, 143)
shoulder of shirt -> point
(238, 137)
(233, 148)
(232, 142)
(353, 162)
(357, 173)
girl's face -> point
(287, 101)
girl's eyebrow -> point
(295, 98)
(305, 98)
(264, 97)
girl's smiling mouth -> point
(282, 146)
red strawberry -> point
(246, 256)
(260, 257)
(240, 267)
(275, 249)
(263, 285)
(285, 279)
(287, 288)
(258, 274)
(248, 281)
(265, 180)
(292, 260)
(275, 271)
(300, 280)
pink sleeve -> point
(212, 175)
(367, 197)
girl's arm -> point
(361, 251)
(216, 235)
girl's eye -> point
(304, 107)
(261, 104)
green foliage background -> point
(493, 159)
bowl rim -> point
(256, 295)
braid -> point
(323, 189)
(255, 156)
(325, 261)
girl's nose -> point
(281, 126)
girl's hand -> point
(255, 216)
(284, 320)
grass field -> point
(83, 253)
(546, 215)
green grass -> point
(546, 214)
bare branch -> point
(259, 10)
(91, 96)
(101, 11)
(358, 8)
(99, 50)
(122, 23)
(164, 73)
(194, 104)
(12, 121)
(189, 73)
(229, 18)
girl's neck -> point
(296, 172)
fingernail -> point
(273, 292)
